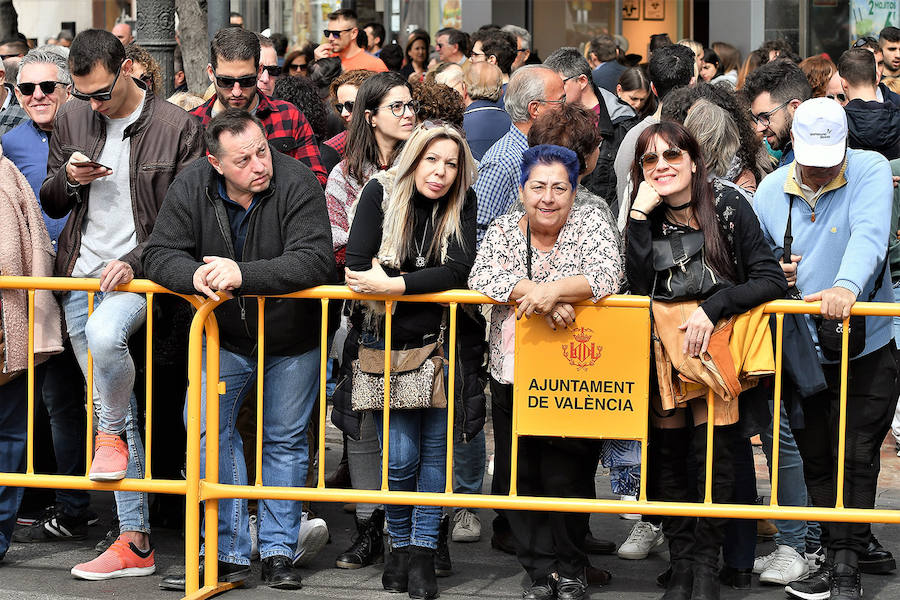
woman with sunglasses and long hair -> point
(414, 233)
(384, 116)
(673, 198)
(343, 98)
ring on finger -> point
(556, 317)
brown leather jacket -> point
(164, 140)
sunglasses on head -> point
(47, 87)
(342, 106)
(673, 156)
(247, 81)
(99, 96)
(272, 70)
(864, 41)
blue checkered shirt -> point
(497, 186)
(14, 115)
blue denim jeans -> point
(416, 462)
(290, 389)
(800, 535)
(13, 438)
(63, 395)
(468, 466)
(116, 317)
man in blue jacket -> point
(839, 201)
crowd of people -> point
(710, 183)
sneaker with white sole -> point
(254, 537)
(787, 565)
(466, 526)
(311, 539)
(816, 586)
(644, 538)
(110, 461)
(815, 559)
(122, 559)
(629, 516)
(761, 563)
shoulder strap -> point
(528, 245)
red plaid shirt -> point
(339, 143)
(286, 129)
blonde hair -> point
(186, 100)
(716, 132)
(400, 187)
(695, 46)
(893, 84)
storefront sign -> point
(868, 17)
(591, 380)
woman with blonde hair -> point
(413, 232)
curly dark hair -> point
(439, 101)
(304, 94)
(680, 101)
(572, 127)
(140, 55)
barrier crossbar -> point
(206, 488)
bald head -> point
(484, 81)
(123, 32)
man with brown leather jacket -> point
(113, 154)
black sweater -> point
(412, 321)
(288, 248)
(759, 278)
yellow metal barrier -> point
(206, 487)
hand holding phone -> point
(82, 170)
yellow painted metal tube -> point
(80, 482)
(89, 391)
(323, 400)
(451, 397)
(29, 444)
(386, 414)
(260, 376)
(842, 423)
(148, 425)
(710, 429)
(776, 413)
(214, 388)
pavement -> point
(41, 571)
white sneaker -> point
(629, 516)
(786, 566)
(311, 539)
(761, 563)
(466, 526)
(644, 538)
(254, 537)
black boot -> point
(368, 545)
(422, 581)
(876, 560)
(442, 565)
(681, 581)
(396, 570)
(706, 583)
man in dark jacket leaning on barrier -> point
(247, 220)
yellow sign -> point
(590, 380)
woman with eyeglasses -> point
(343, 96)
(416, 54)
(383, 119)
(673, 202)
(414, 233)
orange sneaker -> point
(122, 559)
(110, 458)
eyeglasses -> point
(47, 87)
(864, 41)
(673, 156)
(763, 118)
(347, 105)
(838, 97)
(99, 96)
(247, 81)
(272, 70)
(398, 108)
(560, 102)
(440, 45)
(330, 33)
(295, 67)
(569, 77)
(478, 53)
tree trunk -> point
(9, 20)
(194, 42)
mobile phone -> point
(92, 164)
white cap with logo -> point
(820, 133)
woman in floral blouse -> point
(574, 256)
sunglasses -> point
(838, 97)
(99, 96)
(295, 67)
(47, 87)
(340, 107)
(864, 41)
(247, 81)
(398, 108)
(5, 56)
(330, 33)
(272, 70)
(673, 156)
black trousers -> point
(546, 542)
(872, 389)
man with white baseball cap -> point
(839, 202)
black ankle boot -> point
(706, 583)
(422, 581)
(443, 567)
(368, 545)
(396, 570)
(681, 581)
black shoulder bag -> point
(680, 268)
